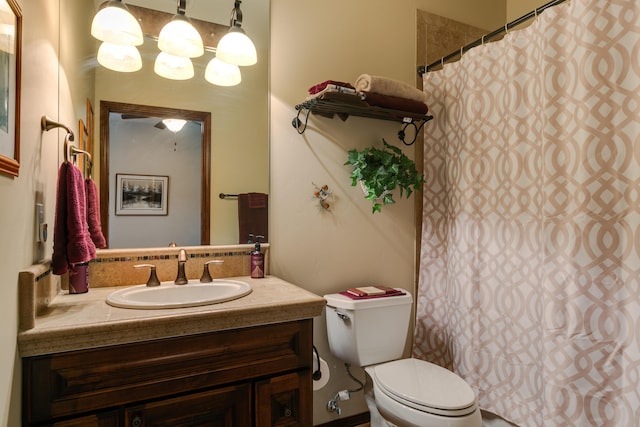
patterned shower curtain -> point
(529, 284)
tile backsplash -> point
(115, 267)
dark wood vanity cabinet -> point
(254, 377)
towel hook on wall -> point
(47, 124)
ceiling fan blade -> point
(131, 116)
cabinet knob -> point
(136, 422)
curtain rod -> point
(534, 13)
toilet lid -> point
(424, 384)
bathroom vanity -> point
(245, 362)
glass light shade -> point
(180, 38)
(115, 24)
(173, 67)
(174, 125)
(236, 48)
(7, 38)
(222, 74)
(124, 59)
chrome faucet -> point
(181, 279)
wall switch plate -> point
(41, 226)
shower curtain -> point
(529, 284)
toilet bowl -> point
(415, 393)
(371, 333)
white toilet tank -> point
(367, 331)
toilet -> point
(371, 333)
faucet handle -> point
(206, 276)
(153, 278)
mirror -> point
(238, 132)
(134, 137)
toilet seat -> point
(425, 387)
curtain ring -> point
(442, 62)
(506, 28)
(482, 39)
(461, 51)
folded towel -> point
(395, 103)
(71, 240)
(332, 89)
(387, 86)
(365, 293)
(93, 214)
(321, 86)
(253, 216)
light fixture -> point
(222, 74)
(125, 59)
(173, 67)
(236, 47)
(174, 125)
(7, 38)
(179, 37)
(114, 24)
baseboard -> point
(353, 420)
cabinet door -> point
(284, 401)
(105, 419)
(224, 407)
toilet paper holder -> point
(317, 374)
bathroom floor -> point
(488, 420)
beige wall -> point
(326, 252)
(518, 8)
(38, 172)
(321, 251)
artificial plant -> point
(380, 171)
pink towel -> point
(71, 241)
(93, 214)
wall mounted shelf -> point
(351, 105)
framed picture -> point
(83, 145)
(142, 194)
(10, 64)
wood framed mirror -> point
(107, 173)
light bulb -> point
(115, 24)
(236, 48)
(120, 58)
(222, 74)
(180, 38)
(173, 67)
(174, 125)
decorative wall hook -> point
(323, 195)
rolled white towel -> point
(387, 86)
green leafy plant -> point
(380, 171)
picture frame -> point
(10, 77)
(83, 145)
(142, 194)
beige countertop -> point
(73, 322)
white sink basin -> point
(170, 295)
